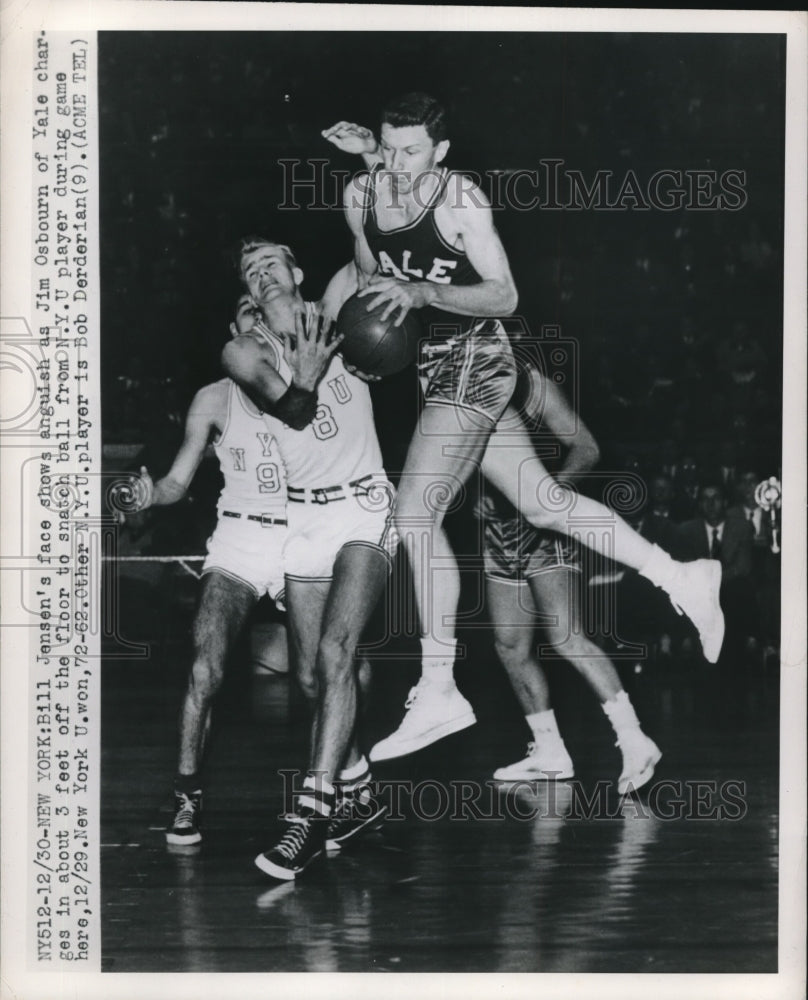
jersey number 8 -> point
(324, 425)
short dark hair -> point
(247, 244)
(417, 108)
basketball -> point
(373, 345)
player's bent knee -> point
(206, 677)
(427, 499)
(512, 651)
(411, 521)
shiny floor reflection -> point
(560, 878)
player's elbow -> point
(510, 299)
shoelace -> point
(185, 814)
(412, 697)
(294, 838)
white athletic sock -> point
(318, 794)
(437, 661)
(352, 778)
(620, 713)
(660, 568)
(543, 724)
(357, 770)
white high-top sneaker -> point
(547, 760)
(640, 757)
(694, 592)
(433, 712)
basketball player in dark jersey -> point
(424, 239)
(530, 572)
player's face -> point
(247, 315)
(267, 274)
(408, 152)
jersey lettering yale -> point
(340, 444)
(418, 252)
(254, 481)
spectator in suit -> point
(748, 510)
(765, 562)
(714, 535)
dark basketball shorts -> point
(514, 551)
(474, 370)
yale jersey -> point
(340, 444)
(251, 464)
(418, 252)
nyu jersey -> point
(251, 464)
(340, 444)
(418, 252)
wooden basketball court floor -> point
(651, 886)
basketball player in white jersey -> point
(244, 555)
(424, 239)
(340, 538)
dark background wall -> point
(677, 315)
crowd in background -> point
(675, 317)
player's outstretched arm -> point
(353, 138)
(199, 424)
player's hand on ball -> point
(400, 296)
(359, 374)
(308, 353)
(351, 138)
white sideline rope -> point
(160, 559)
